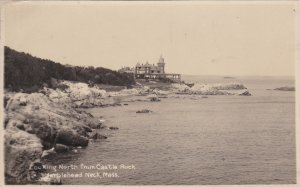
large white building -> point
(152, 71)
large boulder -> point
(153, 98)
(42, 130)
(69, 137)
(21, 150)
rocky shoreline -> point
(52, 121)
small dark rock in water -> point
(286, 88)
(117, 104)
(125, 104)
(144, 111)
(204, 97)
(246, 93)
(154, 99)
(60, 148)
(97, 136)
(113, 128)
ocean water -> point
(197, 141)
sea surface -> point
(197, 141)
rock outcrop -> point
(34, 123)
(79, 95)
(285, 88)
(21, 150)
(211, 89)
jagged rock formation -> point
(35, 123)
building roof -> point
(161, 60)
(147, 64)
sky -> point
(194, 38)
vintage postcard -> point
(149, 93)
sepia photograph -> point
(149, 93)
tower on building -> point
(161, 64)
